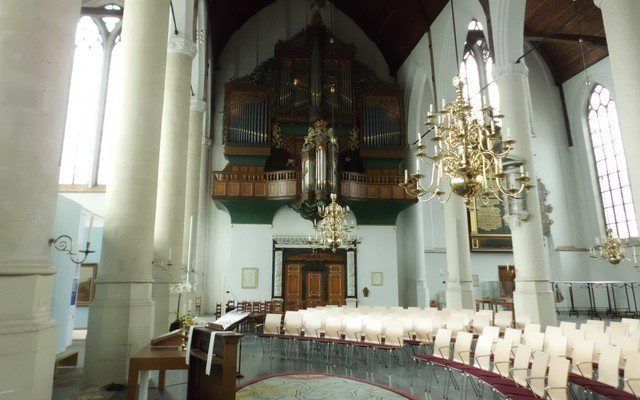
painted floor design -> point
(314, 387)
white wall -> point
(248, 245)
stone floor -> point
(398, 372)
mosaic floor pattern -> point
(311, 386)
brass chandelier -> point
(468, 153)
(335, 232)
(613, 250)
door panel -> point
(336, 290)
(315, 288)
(293, 286)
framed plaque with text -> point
(488, 231)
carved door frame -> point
(291, 249)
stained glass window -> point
(611, 164)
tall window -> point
(611, 164)
(83, 104)
(86, 139)
(477, 70)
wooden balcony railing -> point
(365, 187)
(285, 184)
(234, 184)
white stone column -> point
(623, 39)
(121, 316)
(459, 290)
(533, 296)
(34, 87)
(204, 196)
(192, 193)
(172, 170)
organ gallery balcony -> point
(251, 195)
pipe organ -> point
(315, 110)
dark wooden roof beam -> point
(567, 38)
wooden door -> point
(315, 295)
(293, 285)
(336, 285)
(507, 276)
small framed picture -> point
(86, 284)
(250, 278)
(376, 279)
(476, 280)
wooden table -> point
(149, 359)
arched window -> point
(477, 69)
(84, 142)
(77, 149)
(611, 164)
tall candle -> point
(90, 228)
(169, 254)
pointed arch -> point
(611, 164)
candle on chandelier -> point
(431, 109)
(169, 254)
(406, 176)
(635, 257)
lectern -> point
(221, 383)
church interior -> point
(314, 199)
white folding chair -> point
(521, 364)
(567, 326)
(442, 344)
(608, 365)
(557, 379)
(582, 357)
(514, 336)
(557, 346)
(502, 357)
(491, 331)
(535, 340)
(462, 347)
(482, 352)
(634, 324)
(503, 320)
(538, 374)
(550, 333)
(632, 375)
(572, 335)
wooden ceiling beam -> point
(567, 38)
(100, 12)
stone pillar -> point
(204, 196)
(172, 170)
(34, 87)
(121, 316)
(623, 36)
(192, 193)
(459, 290)
(533, 296)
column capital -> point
(198, 105)
(181, 45)
(206, 142)
(510, 69)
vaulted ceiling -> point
(397, 26)
(394, 26)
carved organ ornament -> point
(314, 109)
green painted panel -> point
(378, 212)
(251, 211)
(247, 160)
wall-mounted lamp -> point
(64, 243)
